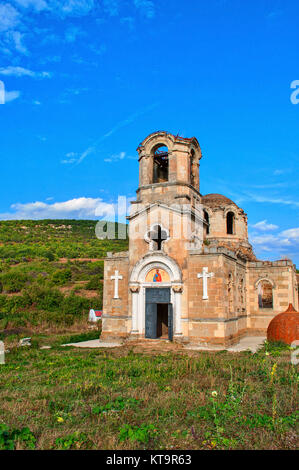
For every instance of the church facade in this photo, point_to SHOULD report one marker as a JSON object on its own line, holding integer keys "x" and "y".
{"x": 190, "y": 274}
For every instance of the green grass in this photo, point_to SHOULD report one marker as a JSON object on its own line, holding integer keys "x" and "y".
{"x": 121, "y": 399}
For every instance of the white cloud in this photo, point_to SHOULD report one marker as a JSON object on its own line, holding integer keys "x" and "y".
{"x": 71, "y": 7}
{"x": 112, "y": 131}
{"x": 269, "y": 240}
{"x": 292, "y": 233}
{"x": 119, "y": 156}
{"x": 279, "y": 172}
{"x": 146, "y": 7}
{"x": 115, "y": 157}
{"x": 72, "y": 34}
{"x": 285, "y": 243}
{"x": 74, "y": 208}
{"x": 21, "y": 72}
{"x": 264, "y": 226}
{"x": 9, "y": 17}
{"x": 62, "y": 7}
{"x": 17, "y": 39}
{"x": 111, "y": 7}
{"x": 70, "y": 158}
{"x": 248, "y": 196}
{"x": 38, "y": 5}
{"x": 11, "y": 95}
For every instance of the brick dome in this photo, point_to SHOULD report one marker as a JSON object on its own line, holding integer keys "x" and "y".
{"x": 284, "y": 327}
{"x": 216, "y": 200}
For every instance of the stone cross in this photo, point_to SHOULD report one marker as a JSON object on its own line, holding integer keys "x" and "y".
{"x": 117, "y": 277}
{"x": 205, "y": 276}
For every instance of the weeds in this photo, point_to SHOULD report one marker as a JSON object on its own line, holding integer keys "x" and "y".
{"x": 199, "y": 400}
{"x": 9, "y": 439}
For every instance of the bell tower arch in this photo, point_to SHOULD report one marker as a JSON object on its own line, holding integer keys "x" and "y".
{"x": 168, "y": 168}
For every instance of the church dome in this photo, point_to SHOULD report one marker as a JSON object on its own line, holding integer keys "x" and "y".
{"x": 216, "y": 200}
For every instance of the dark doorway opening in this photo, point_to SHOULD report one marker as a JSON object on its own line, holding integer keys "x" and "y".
{"x": 161, "y": 165}
{"x": 162, "y": 321}
{"x": 158, "y": 313}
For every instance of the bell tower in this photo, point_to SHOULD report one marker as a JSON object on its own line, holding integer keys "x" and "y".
{"x": 167, "y": 215}
{"x": 169, "y": 169}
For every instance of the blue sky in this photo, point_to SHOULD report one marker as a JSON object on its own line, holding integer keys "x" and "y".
{"x": 87, "y": 80}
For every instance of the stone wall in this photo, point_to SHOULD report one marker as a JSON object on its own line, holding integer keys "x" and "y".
{"x": 282, "y": 276}
{"x": 116, "y": 319}
{"x": 218, "y": 228}
{"x": 222, "y": 318}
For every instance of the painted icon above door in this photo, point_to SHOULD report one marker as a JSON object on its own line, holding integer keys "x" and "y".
{"x": 157, "y": 275}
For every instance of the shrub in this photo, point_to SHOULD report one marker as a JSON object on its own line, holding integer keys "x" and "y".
{"x": 75, "y": 305}
{"x": 50, "y": 256}
{"x": 140, "y": 434}
{"x": 8, "y": 438}
{"x": 61, "y": 277}
{"x": 71, "y": 441}
{"x": 95, "y": 283}
{"x": 13, "y": 281}
{"x": 44, "y": 297}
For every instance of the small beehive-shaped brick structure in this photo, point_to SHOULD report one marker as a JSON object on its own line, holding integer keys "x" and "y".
{"x": 284, "y": 327}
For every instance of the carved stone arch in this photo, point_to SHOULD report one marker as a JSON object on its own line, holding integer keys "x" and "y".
{"x": 232, "y": 209}
{"x": 138, "y": 286}
{"x": 208, "y": 210}
{"x": 154, "y": 141}
{"x": 267, "y": 279}
{"x": 152, "y": 259}
{"x": 209, "y": 213}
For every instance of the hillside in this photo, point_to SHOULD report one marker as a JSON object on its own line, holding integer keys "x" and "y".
{"x": 51, "y": 272}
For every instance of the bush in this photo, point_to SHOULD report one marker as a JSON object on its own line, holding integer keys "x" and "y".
{"x": 44, "y": 298}
{"x": 75, "y": 305}
{"x": 13, "y": 281}
{"x": 8, "y": 439}
{"x": 50, "y": 256}
{"x": 61, "y": 277}
{"x": 95, "y": 283}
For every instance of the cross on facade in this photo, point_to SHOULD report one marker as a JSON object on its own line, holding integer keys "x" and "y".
{"x": 159, "y": 236}
{"x": 117, "y": 277}
{"x": 205, "y": 275}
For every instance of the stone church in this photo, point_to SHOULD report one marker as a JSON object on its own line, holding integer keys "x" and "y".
{"x": 190, "y": 274}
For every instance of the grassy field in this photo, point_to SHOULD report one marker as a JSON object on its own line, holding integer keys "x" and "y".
{"x": 124, "y": 399}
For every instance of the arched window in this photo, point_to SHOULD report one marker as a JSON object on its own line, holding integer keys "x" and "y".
{"x": 207, "y": 219}
{"x": 230, "y": 222}
{"x": 265, "y": 294}
{"x": 161, "y": 164}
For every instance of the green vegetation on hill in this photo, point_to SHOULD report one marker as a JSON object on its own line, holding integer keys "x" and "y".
{"x": 53, "y": 239}
{"x": 51, "y": 271}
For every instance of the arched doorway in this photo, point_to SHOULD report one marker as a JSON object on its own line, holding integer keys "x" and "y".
{"x": 156, "y": 290}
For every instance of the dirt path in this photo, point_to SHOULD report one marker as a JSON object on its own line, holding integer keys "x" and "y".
{"x": 90, "y": 260}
